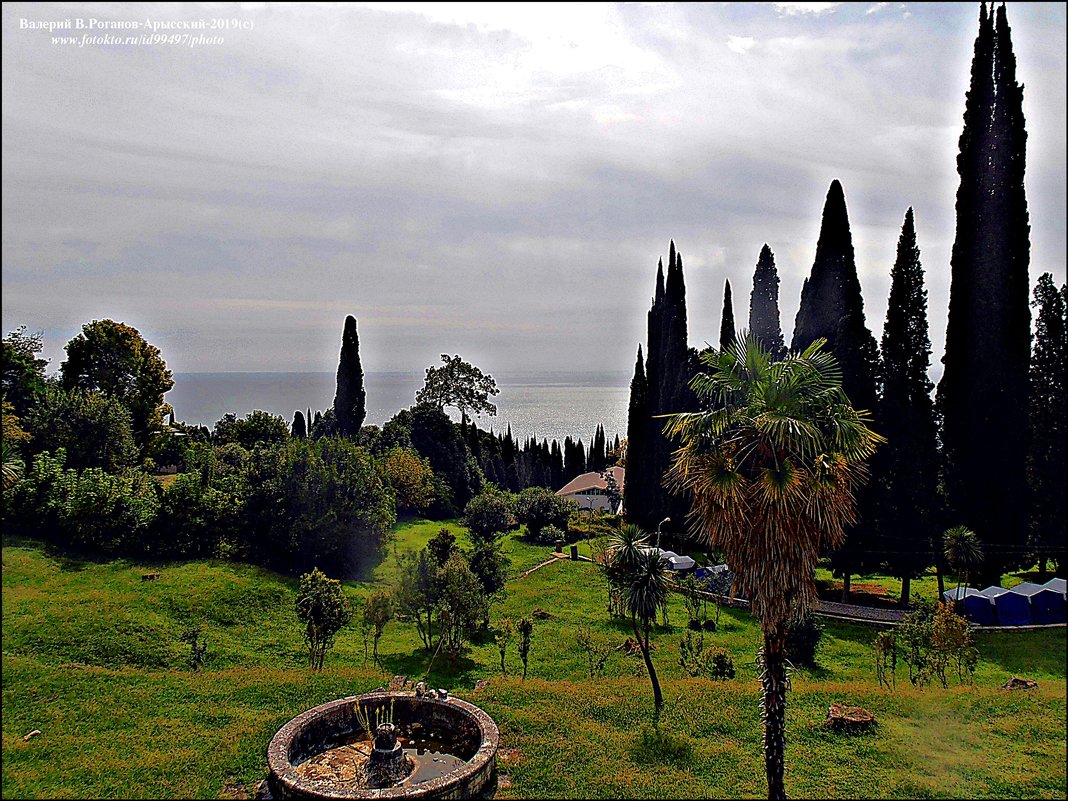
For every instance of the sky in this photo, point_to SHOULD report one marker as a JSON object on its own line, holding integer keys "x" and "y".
{"x": 492, "y": 180}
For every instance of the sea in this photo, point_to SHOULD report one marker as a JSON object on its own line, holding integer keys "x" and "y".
{"x": 546, "y": 405}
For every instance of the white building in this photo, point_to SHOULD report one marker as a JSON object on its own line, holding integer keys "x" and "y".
{"x": 590, "y": 491}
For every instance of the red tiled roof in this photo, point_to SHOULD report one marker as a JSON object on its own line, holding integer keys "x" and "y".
{"x": 588, "y": 481}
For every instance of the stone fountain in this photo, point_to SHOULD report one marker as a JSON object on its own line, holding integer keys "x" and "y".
{"x": 385, "y": 745}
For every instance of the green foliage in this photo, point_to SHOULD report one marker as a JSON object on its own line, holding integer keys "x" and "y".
{"x": 114, "y": 359}
{"x": 195, "y": 518}
{"x": 803, "y": 640}
{"x": 94, "y": 429}
{"x": 502, "y": 638}
{"x": 437, "y": 439}
{"x": 1047, "y": 468}
{"x": 489, "y": 514}
{"x": 416, "y": 593}
{"x": 490, "y": 566}
{"x": 537, "y": 508}
{"x": 460, "y": 385}
{"x": 323, "y": 609}
{"x": 377, "y": 612}
{"x": 933, "y": 639}
{"x": 255, "y": 429}
{"x": 442, "y": 546}
{"x": 463, "y": 604}
{"x": 89, "y": 511}
{"x": 315, "y": 503}
{"x": 411, "y": 478}
{"x": 22, "y": 374}
{"x": 595, "y": 650}
{"x": 885, "y": 647}
{"x": 525, "y": 629}
{"x": 698, "y": 660}
{"x": 961, "y": 547}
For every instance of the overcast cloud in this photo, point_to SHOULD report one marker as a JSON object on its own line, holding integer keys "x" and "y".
{"x": 491, "y": 180}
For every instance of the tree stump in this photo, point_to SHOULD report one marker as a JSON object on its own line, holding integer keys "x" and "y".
{"x": 849, "y": 719}
{"x": 1016, "y": 683}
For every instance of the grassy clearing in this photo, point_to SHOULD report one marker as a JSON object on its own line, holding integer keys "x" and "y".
{"x": 91, "y": 658}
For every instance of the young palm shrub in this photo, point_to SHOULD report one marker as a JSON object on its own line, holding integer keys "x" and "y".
{"x": 641, "y": 577}
{"x": 772, "y": 470}
{"x": 960, "y": 546}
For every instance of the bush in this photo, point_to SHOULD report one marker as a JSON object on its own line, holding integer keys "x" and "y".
{"x": 258, "y": 428}
{"x": 537, "y": 508}
{"x": 803, "y": 640}
{"x": 194, "y": 518}
{"x": 438, "y": 440}
{"x": 411, "y": 478}
{"x": 489, "y": 514}
{"x": 95, "y": 430}
{"x": 463, "y": 605}
{"x": 315, "y": 503}
{"x": 697, "y": 660}
{"x": 322, "y": 608}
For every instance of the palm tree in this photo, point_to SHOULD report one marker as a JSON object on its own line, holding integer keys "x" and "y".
{"x": 12, "y": 465}
{"x": 640, "y": 575}
{"x": 960, "y": 546}
{"x": 772, "y": 468}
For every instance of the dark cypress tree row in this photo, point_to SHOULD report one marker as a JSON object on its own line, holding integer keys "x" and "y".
{"x": 1047, "y": 465}
{"x": 350, "y": 401}
{"x": 635, "y": 495}
{"x": 556, "y": 465}
{"x": 668, "y": 370}
{"x": 598, "y": 451}
{"x": 984, "y": 388}
{"x": 300, "y": 426}
{"x": 832, "y": 307}
{"x": 905, "y": 470}
{"x": 764, "y": 305}
{"x": 726, "y": 320}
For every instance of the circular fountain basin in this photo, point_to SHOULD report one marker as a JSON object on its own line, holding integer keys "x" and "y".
{"x": 465, "y": 730}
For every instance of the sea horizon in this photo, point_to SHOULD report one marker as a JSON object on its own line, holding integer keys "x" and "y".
{"x": 547, "y": 404}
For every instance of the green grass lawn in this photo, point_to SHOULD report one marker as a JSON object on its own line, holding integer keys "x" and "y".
{"x": 91, "y": 658}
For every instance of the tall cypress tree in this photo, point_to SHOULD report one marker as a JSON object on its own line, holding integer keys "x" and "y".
{"x": 726, "y": 320}
{"x": 635, "y": 495}
{"x": 350, "y": 400}
{"x": 832, "y": 307}
{"x": 984, "y": 388}
{"x": 300, "y": 426}
{"x": 1047, "y": 464}
{"x": 764, "y": 305}
{"x": 905, "y": 469}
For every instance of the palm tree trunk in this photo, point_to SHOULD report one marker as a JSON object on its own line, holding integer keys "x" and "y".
{"x": 774, "y": 685}
{"x": 906, "y": 590}
{"x": 846, "y": 581}
{"x": 658, "y": 696}
{"x": 941, "y": 580}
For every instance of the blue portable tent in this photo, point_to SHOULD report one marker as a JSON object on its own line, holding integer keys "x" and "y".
{"x": 1012, "y": 609}
{"x": 1047, "y": 605}
{"x": 971, "y": 603}
{"x": 1057, "y": 584}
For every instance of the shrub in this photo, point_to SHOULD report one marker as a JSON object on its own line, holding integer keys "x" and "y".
{"x": 411, "y": 478}
{"x": 489, "y": 514}
{"x": 194, "y": 518}
{"x": 803, "y": 640}
{"x": 597, "y": 652}
{"x": 441, "y": 546}
{"x": 697, "y": 660}
{"x": 502, "y": 638}
{"x": 490, "y": 566}
{"x": 377, "y": 612}
{"x": 258, "y": 428}
{"x": 95, "y": 430}
{"x": 462, "y": 604}
{"x": 537, "y": 508}
{"x": 525, "y": 628}
{"x": 322, "y": 608}
{"x": 315, "y": 503}
{"x": 416, "y": 593}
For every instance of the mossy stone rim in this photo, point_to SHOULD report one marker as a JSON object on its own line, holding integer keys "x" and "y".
{"x": 471, "y": 779}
